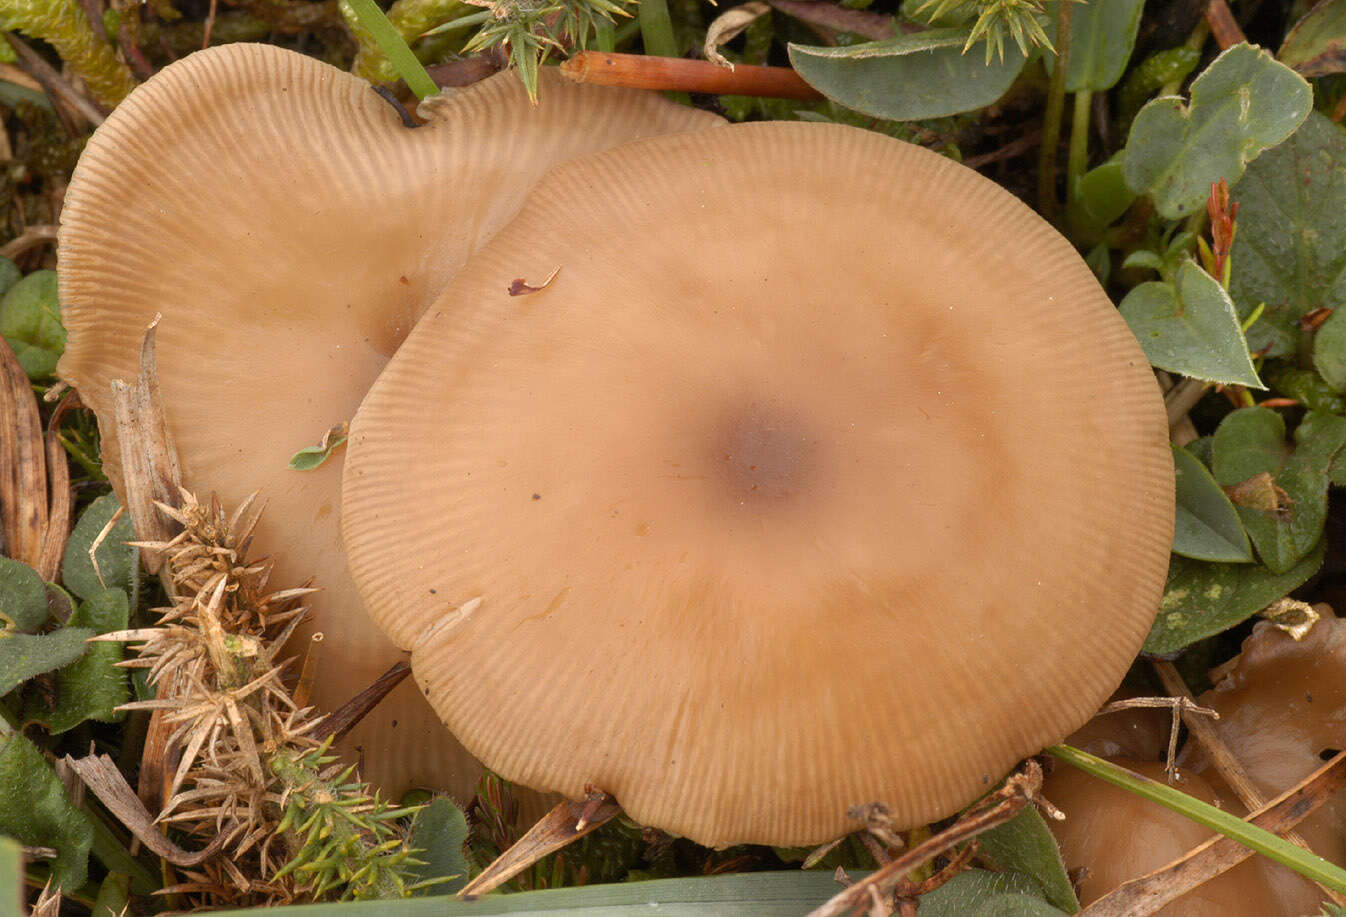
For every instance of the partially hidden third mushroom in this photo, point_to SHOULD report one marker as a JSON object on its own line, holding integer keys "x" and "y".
{"x": 1282, "y": 706}
{"x": 822, "y": 473}
{"x": 291, "y": 230}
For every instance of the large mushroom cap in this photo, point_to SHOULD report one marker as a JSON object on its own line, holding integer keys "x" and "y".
{"x": 822, "y": 473}
{"x": 291, "y": 230}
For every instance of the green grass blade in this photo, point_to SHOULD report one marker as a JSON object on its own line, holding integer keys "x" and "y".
{"x": 1264, "y": 842}
{"x": 397, "y": 51}
{"x": 760, "y": 894}
{"x": 656, "y": 28}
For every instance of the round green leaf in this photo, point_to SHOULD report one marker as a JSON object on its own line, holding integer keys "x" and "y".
{"x": 1248, "y": 442}
{"x": 1244, "y": 103}
{"x": 437, "y": 835}
{"x": 1207, "y": 526}
{"x": 116, "y": 560}
{"x": 23, "y": 596}
{"x": 30, "y": 320}
{"x": 1290, "y": 251}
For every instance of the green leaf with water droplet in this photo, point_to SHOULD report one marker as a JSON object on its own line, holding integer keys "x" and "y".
{"x": 1190, "y": 327}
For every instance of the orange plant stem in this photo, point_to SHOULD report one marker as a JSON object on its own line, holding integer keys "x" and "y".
{"x": 638, "y": 71}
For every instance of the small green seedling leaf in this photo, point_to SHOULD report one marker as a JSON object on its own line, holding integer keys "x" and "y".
{"x": 1290, "y": 251}
{"x": 1244, "y": 103}
{"x": 1248, "y": 442}
{"x": 23, "y": 597}
{"x": 922, "y": 75}
{"x": 1316, "y": 46}
{"x": 980, "y": 893}
{"x": 1025, "y": 844}
{"x": 311, "y": 457}
{"x": 117, "y": 567}
{"x": 24, "y": 656}
{"x": 91, "y": 687}
{"x": 1329, "y": 351}
{"x": 1207, "y": 525}
{"x": 1306, "y": 387}
{"x": 1283, "y": 508}
{"x": 1203, "y": 599}
{"x": 11, "y": 876}
{"x": 437, "y": 836}
{"x": 1101, "y": 197}
{"x": 1190, "y": 327}
{"x": 114, "y": 896}
{"x": 35, "y": 810}
{"x": 1102, "y": 36}
{"x": 30, "y": 320}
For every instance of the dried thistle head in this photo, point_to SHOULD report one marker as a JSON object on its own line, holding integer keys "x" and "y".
{"x": 296, "y": 825}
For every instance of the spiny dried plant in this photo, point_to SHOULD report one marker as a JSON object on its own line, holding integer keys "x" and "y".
{"x": 290, "y": 822}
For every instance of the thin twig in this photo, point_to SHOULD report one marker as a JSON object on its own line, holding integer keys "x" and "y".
{"x": 638, "y": 71}
{"x": 1223, "y": 25}
{"x": 1182, "y": 398}
{"x": 996, "y": 809}
{"x": 1015, "y": 147}
{"x": 31, "y": 237}
{"x": 875, "y": 26}
{"x": 344, "y": 718}
{"x": 1178, "y": 707}
{"x": 57, "y": 87}
{"x": 566, "y": 823}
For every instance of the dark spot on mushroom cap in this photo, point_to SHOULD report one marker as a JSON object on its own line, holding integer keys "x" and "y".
{"x": 764, "y": 454}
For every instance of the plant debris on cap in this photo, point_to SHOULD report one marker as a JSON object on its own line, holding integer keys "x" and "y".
{"x": 291, "y": 230}
{"x": 823, "y": 473}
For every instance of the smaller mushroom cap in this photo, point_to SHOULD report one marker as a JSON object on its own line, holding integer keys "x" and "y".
{"x": 1282, "y": 708}
{"x": 291, "y": 230}
{"x": 1117, "y": 836}
{"x": 823, "y": 473}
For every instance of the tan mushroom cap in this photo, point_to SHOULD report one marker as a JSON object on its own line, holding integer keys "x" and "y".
{"x": 823, "y": 473}
{"x": 291, "y": 230}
